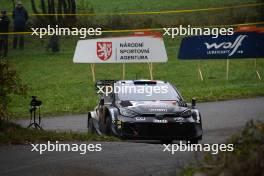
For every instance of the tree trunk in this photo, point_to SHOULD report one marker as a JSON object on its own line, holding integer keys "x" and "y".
{"x": 43, "y": 5}
{"x": 14, "y": 4}
{"x": 34, "y": 7}
{"x": 60, "y": 7}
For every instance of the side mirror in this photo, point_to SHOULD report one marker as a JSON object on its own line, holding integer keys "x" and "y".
{"x": 101, "y": 101}
{"x": 193, "y": 102}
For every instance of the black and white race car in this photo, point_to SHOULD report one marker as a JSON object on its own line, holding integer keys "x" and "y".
{"x": 144, "y": 109}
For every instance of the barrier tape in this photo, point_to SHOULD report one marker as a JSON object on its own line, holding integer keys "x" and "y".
{"x": 153, "y": 12}
{"x": 148, "y": 29}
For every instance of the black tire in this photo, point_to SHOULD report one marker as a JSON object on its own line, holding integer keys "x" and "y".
{"x": 91, "y": 128}
{"x": 108, "y": 127}
{"x": 166, "y": 141}
{"x": 193, "y": 141}
{"x": 201, "y": 120}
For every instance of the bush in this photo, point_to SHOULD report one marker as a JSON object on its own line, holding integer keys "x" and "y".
{"x": 10, "y": 83}
{"x": 247, "y": 159}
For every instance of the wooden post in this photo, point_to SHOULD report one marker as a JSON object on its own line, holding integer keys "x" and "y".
{"x": 258, "y": 75}
{"x": 93, "y": 71}
{"x": 200, "y": 74}
{"x": 124, "y": 71}
{"x": 150, "y": 66}
{"x": 227, "y": 69}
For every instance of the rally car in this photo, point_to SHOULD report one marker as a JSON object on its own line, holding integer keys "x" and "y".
{"x": 129, "y": 110}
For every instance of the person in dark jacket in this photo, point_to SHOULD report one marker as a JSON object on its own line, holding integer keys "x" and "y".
{"x": 20, "y": 17}
{"x": 4, "y": 28}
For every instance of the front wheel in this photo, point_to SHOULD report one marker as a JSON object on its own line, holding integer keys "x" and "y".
{"x": 166, "y": 141}
{"x": 91, "y": 128}
{"x": 108, "y": 129}
{"x": 193, "y": 141}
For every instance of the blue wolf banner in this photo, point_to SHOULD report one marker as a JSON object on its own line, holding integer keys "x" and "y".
{"x": 238, "y": 45}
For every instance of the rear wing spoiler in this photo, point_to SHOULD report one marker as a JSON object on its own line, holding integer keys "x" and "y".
{"x": 105, "y": 82}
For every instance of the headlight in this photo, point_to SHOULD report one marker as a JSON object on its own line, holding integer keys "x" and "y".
{"x": 187, "y": 113}
{"x": 127, "y": 112}
{"x": 196, "y": 115}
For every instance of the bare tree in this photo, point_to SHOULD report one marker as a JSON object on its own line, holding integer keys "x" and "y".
{"x": 58, "y": 8}
{"x": 56, "y": 13}
{"x": 14, "y": 4}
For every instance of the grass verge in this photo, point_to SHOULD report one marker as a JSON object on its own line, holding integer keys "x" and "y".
{"x": 11, "y": 133}
{"x": 247, "y": 159}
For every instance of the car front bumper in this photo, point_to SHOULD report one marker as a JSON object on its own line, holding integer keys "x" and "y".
{"x": 168, "y": 129}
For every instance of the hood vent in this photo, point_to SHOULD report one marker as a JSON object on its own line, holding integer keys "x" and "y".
{"x": 125, "y": 103}
{"x": 182, "y": 103}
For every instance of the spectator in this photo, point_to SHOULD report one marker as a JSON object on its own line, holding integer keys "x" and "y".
{"x": 20, "y": 17}
{"x": 4, "y": 25}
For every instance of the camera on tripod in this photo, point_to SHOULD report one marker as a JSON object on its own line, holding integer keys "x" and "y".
{"x": 34, "y": 102}
{"x": 34, "y": 105}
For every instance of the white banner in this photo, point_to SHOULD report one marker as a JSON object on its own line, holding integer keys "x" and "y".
{"x": 131, "y": 49}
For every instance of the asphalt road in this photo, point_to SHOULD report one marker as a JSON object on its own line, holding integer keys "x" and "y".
{"x": 220, "y": 120}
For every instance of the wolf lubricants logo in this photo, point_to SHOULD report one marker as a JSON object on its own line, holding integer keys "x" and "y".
{"x": 226, "y": 47}
{"x": 104, "y": 50}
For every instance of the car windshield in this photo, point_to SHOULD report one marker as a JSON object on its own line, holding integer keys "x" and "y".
{"x": 146, "y": 92}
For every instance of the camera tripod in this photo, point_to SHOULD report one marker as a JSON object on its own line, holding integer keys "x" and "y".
{"x": 32, "y": 111}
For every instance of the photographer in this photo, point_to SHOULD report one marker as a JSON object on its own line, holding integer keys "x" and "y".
{"x": 20, "y": 17}
{"x": 4, "y": 28}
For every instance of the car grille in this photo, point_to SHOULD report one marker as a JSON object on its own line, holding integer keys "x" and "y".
{"x": 161, "y": 130}
{"x": 161, "y": 115}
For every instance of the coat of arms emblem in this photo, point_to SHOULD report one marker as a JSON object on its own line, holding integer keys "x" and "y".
{"x": 104, "y": 50}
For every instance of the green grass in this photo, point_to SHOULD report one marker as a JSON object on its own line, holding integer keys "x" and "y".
{"x": 67, "y": 88}
{"x": 105, "y": 6}
{"x": 11, "y": 133}
{"x": 218, "y": 17}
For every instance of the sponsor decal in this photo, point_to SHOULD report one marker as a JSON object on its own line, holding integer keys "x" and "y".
{"x": 160, "y": 121}
{"x": 248, "y": 45}
{"x": 104, "y": 50}
{"x": 178, "y": 119}
{"x": 159, "y": 110}
{"x": 130, "y": 49}
{"x": 226, "y": 47}
{"x": 140, "y": 118}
